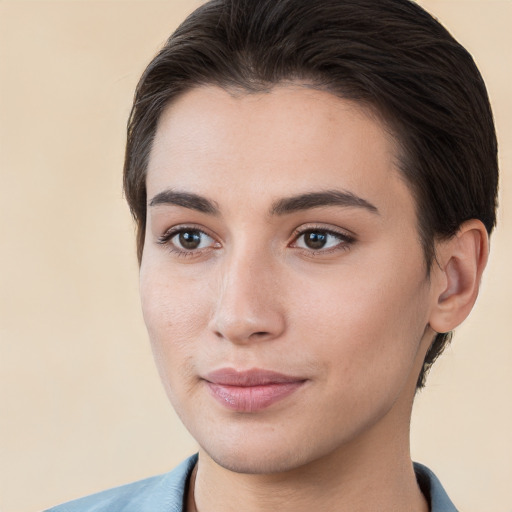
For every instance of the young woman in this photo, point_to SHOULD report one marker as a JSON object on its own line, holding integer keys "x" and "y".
{"x": 314, "y": 184}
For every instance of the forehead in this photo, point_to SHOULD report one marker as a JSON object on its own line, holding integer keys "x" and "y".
{"x": 291, "y": 139}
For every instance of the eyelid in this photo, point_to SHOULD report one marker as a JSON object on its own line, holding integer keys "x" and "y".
{"x": 178, "y": 228}
{"x": 169, "y": 234}
{"x": 346, "y": 237}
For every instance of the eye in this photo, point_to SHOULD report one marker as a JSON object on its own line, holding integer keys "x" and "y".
{"x": 187, "y": 240}
{"x": 322, "y": 240}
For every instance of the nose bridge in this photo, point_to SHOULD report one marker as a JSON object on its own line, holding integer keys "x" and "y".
{"x": 247, "y": 306}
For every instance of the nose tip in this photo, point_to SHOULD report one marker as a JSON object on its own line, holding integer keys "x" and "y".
{"x": 248, "y": 309}
{"x": 243, "y": 328}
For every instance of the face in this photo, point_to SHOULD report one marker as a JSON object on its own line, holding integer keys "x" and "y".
{"x": 283, "y": 281}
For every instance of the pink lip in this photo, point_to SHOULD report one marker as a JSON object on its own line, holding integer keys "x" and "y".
{"x": 251, "y": 390}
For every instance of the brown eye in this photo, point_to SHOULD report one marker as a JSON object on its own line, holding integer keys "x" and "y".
{"x": 190, "y": 240}
{"x": 315, "y": 239}
{"x": 322, "y": 240}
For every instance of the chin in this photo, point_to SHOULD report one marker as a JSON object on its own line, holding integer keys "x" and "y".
{"x": 262, "y": 451}
{"x": 258, "y": 461}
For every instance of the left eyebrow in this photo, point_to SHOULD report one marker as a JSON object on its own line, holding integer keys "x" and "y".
{"x": 319, "y": 199}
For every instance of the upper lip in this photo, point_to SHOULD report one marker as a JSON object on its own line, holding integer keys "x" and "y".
{"x": 247, "y": 378}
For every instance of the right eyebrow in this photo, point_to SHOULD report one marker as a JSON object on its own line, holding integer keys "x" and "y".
{"x": 186, "y": 200}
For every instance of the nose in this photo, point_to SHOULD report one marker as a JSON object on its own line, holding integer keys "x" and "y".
{"x": 248, "y": 305}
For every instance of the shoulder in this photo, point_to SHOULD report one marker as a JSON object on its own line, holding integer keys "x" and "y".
{"x": 162, "y": 493}
{"x": 433, "y": 490}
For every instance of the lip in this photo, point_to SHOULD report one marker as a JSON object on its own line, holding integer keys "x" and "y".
{"x": 250, "y": 390}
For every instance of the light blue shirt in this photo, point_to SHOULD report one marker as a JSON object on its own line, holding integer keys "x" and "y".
{"x": 166, "y": 493}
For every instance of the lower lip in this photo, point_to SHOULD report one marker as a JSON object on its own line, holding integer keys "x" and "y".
{"x": 252, "y": 398}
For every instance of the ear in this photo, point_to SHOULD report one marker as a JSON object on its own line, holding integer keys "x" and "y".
{"x": 457, "y": 272}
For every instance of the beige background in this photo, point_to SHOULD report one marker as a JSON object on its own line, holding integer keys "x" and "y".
{"x": 81, "y": 407}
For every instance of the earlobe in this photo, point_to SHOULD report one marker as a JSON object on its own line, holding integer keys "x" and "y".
{"x": 461, "y": 261}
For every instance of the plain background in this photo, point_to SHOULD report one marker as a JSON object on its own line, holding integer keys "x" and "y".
{"x": 81, "y": 407}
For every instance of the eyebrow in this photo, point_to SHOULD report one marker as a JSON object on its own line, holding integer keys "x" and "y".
{"x": 282, "y": 206}
{"x": 186, "y": 200}
{"x": 319, "y": 199}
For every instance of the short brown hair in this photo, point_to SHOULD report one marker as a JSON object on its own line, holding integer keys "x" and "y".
{"x": 389, "y": 54}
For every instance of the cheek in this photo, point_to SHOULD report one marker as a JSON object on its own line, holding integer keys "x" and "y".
{"x": 367, "y": 324}
{"x": 175, "y": 313}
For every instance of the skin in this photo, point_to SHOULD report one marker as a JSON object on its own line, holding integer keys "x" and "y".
{"x": 353, "y": 319}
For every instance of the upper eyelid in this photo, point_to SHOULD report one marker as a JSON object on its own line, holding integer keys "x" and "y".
{"x": 337, "y": 231}
{"x": 341, "y": 233}
{"x": 345, "y": 238}
{"x": 166, "y": 240}
{"x": 173, "y": 230}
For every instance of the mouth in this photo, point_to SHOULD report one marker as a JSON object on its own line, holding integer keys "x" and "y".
{"x": 251, "y": 390}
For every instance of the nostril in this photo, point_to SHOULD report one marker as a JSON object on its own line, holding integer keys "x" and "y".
{"x": 259, "y": 334}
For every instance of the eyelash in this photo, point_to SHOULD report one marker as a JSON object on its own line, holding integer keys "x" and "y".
{"x": 344, "y": 240}
{"x": 166, "y": 239}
